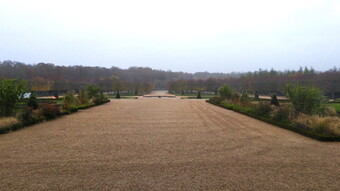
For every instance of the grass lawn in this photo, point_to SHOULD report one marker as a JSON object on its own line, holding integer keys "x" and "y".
{"x": 335, "y": 105}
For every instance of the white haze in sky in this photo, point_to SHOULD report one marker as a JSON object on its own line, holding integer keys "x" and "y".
{"x": 178, "y": 35}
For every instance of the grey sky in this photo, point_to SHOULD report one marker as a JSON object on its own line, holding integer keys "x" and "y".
{"x": 178, "y": 35}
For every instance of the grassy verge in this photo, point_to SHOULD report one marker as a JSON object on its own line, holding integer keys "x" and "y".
{"x": 336, "y": 106}
{"x": 283, "y": 124}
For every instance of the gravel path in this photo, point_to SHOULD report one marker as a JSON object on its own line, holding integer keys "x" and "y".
{"x": 164, "y": 144}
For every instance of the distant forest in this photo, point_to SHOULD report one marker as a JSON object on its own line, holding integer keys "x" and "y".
{"x": 46, "y": 77}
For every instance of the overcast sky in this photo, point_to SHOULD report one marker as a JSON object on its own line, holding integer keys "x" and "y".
{"x": 177, "y": 35}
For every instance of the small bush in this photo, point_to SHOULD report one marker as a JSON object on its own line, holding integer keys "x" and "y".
{"x": 235, "y": 97}
{"x": 118, "y": 95}
{"x": 282, "y": 113}
{"x": 50, "y": 111}
{"x": 32, "y": 102}
{"x": 93, "y": 91}
{"x": 30, "y": 116}
{"x": 26, "y": 114}
{"x": 199, "y": 95}
{"x": 69, "y": 101}
{"x": 329, "y": 126}
{"x": 305, "y": 99}
{"x": 11, "y": 91}
{"x": 322, "y": 128}
{"x": 274, "y": 101}
{"x": 244, "y": 99}
{"x": 99, "y": 99}
{"x": 256, "y": 96}
{"x": 216, "y": 100}
{"x": 262, "y": 108}
{"x": 330, "y": 111}
{"x": 225, "y": 91}
{"x": 8, "y": 122}
{"x": 83, "y": 97}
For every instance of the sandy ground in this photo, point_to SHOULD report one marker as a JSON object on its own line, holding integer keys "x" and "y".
{"x": 164, "y": 144}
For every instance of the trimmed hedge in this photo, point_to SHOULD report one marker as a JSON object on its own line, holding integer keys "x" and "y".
{"x": 285, "y": 125}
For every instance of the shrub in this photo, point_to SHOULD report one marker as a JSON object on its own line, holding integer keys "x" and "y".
{"x": 118, "y": 95}
{"x": 199, "y": 95}
{"x": 50, "y": 111}
{"x": 99, "y": 99}
{"x": 8, "y": 122}
{"x": 235, "y": 97}
{"x": 330, "y": 111}
{"x": 93, "y": 91}
{"x": 69, "y": 101}
{"x": 32, "y": 102}
{"x": 225, "y": 91}
{"x": 30, "y": 116}
{"x": 26, "y": 114}
{"x": 282, "y": 113}
{"x": 244, "y": 99}
{"x": 322, "y": 127}
{"x": 305, "y": 99}
{"x": 274, "y": 101}
{"x": 11, "y": 91}
{"x": 256, "y": 96}
{"x": 329, "y": 126}
{"x": 216, "y": 100}
{"x": 262, "y": 108}
{"x": 82, "y": 97}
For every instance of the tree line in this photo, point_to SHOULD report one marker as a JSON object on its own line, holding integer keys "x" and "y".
{"x": 50, "y": 77}
{"x": 265, "y": 82}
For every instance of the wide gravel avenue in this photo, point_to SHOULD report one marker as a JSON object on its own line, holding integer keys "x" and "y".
{"x": 164, "y": 144}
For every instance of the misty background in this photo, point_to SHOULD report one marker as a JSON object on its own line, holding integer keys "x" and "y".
{"x": 188, "y": 36}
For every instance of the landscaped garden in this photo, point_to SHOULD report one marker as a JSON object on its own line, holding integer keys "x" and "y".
{"x": 306, "y": 111}
{"x": 19, "y": 108}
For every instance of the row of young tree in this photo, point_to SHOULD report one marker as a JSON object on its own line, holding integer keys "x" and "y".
{"x": 265, "y": 82}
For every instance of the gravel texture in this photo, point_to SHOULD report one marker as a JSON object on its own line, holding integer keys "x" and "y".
{"x": 164, "y": 144}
